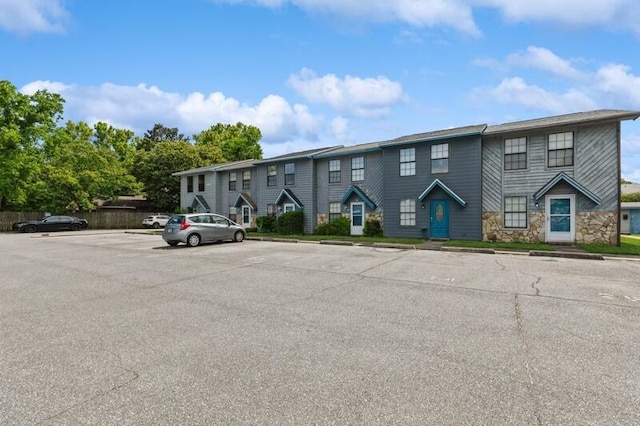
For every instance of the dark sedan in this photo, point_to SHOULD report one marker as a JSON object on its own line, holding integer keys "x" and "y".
{"x": 52, "y": 223}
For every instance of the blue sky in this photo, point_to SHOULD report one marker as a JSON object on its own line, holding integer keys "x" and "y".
{"x": 313, "y": 73}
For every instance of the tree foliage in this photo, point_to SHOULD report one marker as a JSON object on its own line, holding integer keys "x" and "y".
{"x": 154, "y": 169}
{"x": 25, "y": 120}
{"x": 233, "y": 142}
{"x": 57, "y": 169}
{"x": 159, "y": 133}
{"x": 631, "y": 197}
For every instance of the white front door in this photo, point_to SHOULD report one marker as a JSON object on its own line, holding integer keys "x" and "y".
{"x": 246, "y": 216}
{"x": 357, "y": 218}
{"x": 561, "y": 218}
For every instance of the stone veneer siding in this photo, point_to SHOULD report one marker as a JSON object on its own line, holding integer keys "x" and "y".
{"x": 591, "y": 228}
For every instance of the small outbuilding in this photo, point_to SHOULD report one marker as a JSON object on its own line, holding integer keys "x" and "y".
{"x": 630, "y": 218}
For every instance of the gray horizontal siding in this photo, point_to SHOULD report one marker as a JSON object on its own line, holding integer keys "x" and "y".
{"x": 464, "y": 178}
{"x": 595, "y": 167}
{"x": 303, "y": 189}
{"x": 372, "y": 185}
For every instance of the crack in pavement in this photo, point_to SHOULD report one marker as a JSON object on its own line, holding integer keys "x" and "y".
{"x": 98, "y": 395}
{"x": 525, "y": 350}
{"x": 534, "y": 285}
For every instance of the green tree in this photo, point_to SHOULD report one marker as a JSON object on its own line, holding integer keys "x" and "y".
{"x": 159, "y": 133}
{"x": 233, "y": 142}
{"x": 24, "y": 121}
{"x": 154, "y": 168}
{"x": 75, "y": 171}
{"x": 120, "y": 141}
{"x": 630, "y": 197}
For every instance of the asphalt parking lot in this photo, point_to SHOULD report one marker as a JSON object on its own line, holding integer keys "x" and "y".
{"x": 115, "y": 328}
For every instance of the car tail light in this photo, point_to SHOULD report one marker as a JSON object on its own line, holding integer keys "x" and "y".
{"x": 184, "y": 225}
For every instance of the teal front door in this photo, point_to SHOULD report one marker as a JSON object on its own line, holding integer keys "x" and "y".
{"x": 439, "y": 219}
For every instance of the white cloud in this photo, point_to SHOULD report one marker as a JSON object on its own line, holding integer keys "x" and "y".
{"x": 139, "y": 107}
{"x": 615, "y": 81}
{"x": 458, "y": 14}
{"x": 340, "y": 130}
{"x": 361, "y": 97}
{"x": 583, "y": 13}
{"x": 545, "y": 60}
{"x": 610, "y": 86}
{"x": 631, "y": 157}
{"x": 515, "y": 91}
{"x": 417, "y": 13}
{"x": 32, "y": 16}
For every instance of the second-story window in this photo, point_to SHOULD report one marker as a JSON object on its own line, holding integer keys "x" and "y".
{"x": 560, "y": 149}
{"x": 232, "y": 181}
{"x": 272, "y": 175}
{"x": 440, "y": 158}
{"x": 357, "y": 169}
{"x": 408, "y": 162}
{"x": 246, "y": 179}
{"x": 189, "y": 183}
{"x": 201, "y": 183}
{"x": 334, "y": 171}
{"x": 290, "y": 174}
{"x": 515, "y": 153}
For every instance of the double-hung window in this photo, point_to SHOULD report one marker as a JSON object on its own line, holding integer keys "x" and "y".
{"x": 440, "y": 158}
{"x": 232, "y": 181}
{"x": 357, "y": 169}
{"x": 334, "y": 171}
{"x": 408, "y": 162}
{"x": 272, "y": 175}
{"x": 560, "y": 149}
{"x": 246, "y": 179}
{"x": 408, "y": 212}
{"x": 271, "y": 209}
{"x": 189, "y": 183}
{"x": 515, "y": 212}
{"x": 334, "y": 211}
{"x": 290, "y": 174}
{"x": 201, "y": 183}
{"x": 515, "y": 153}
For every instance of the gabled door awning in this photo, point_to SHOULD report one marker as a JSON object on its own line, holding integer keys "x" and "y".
{"x": 438, "y": 184}
{"x": 200, "y": 203}
{"x": 287, "y": 193}
{"x": 563, "y": 177}
{"x": 355, "y": 190}
{"x": 244, "y": 198}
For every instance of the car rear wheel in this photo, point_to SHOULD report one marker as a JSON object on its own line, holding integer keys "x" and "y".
{"x": 30, "y": 228}
{"x": 172, "y": 243}
{"x": 238, "y": 237}
{"x": 156, "y": 225}
{"x": 193, "y": 240}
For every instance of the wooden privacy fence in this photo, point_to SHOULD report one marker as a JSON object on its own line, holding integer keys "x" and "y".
{"x": 99, "y": 219}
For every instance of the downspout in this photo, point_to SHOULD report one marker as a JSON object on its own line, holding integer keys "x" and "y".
{"x": 619, "y": 147}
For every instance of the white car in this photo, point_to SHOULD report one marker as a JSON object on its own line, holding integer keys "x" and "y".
{"x": 155, "y": 222}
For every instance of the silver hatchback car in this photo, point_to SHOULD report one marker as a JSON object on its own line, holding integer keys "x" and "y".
{"x": 195, "y": 228}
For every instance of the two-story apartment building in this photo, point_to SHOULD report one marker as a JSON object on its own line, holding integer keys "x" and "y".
{"x": 432, "y": 184}
{"x": 555, "y": 179}
{"x": 349, "y": 182}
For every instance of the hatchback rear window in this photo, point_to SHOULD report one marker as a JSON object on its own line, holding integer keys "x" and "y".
{"x": 176, "y": 219}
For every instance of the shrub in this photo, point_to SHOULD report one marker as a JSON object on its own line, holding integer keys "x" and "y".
{"x": 340, "y": 226}
{"x": 291, "y": 223}
{"x": 372, "y": 228}
{"x": 267, "y": 223}
{"x": 630, "y": 197}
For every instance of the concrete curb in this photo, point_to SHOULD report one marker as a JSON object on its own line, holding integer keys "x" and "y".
{"x": 395, "y": 246}
{"x": 566, "y": 255}
{"x": 337, "y": 242}
{"x": 468, "y": 250}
